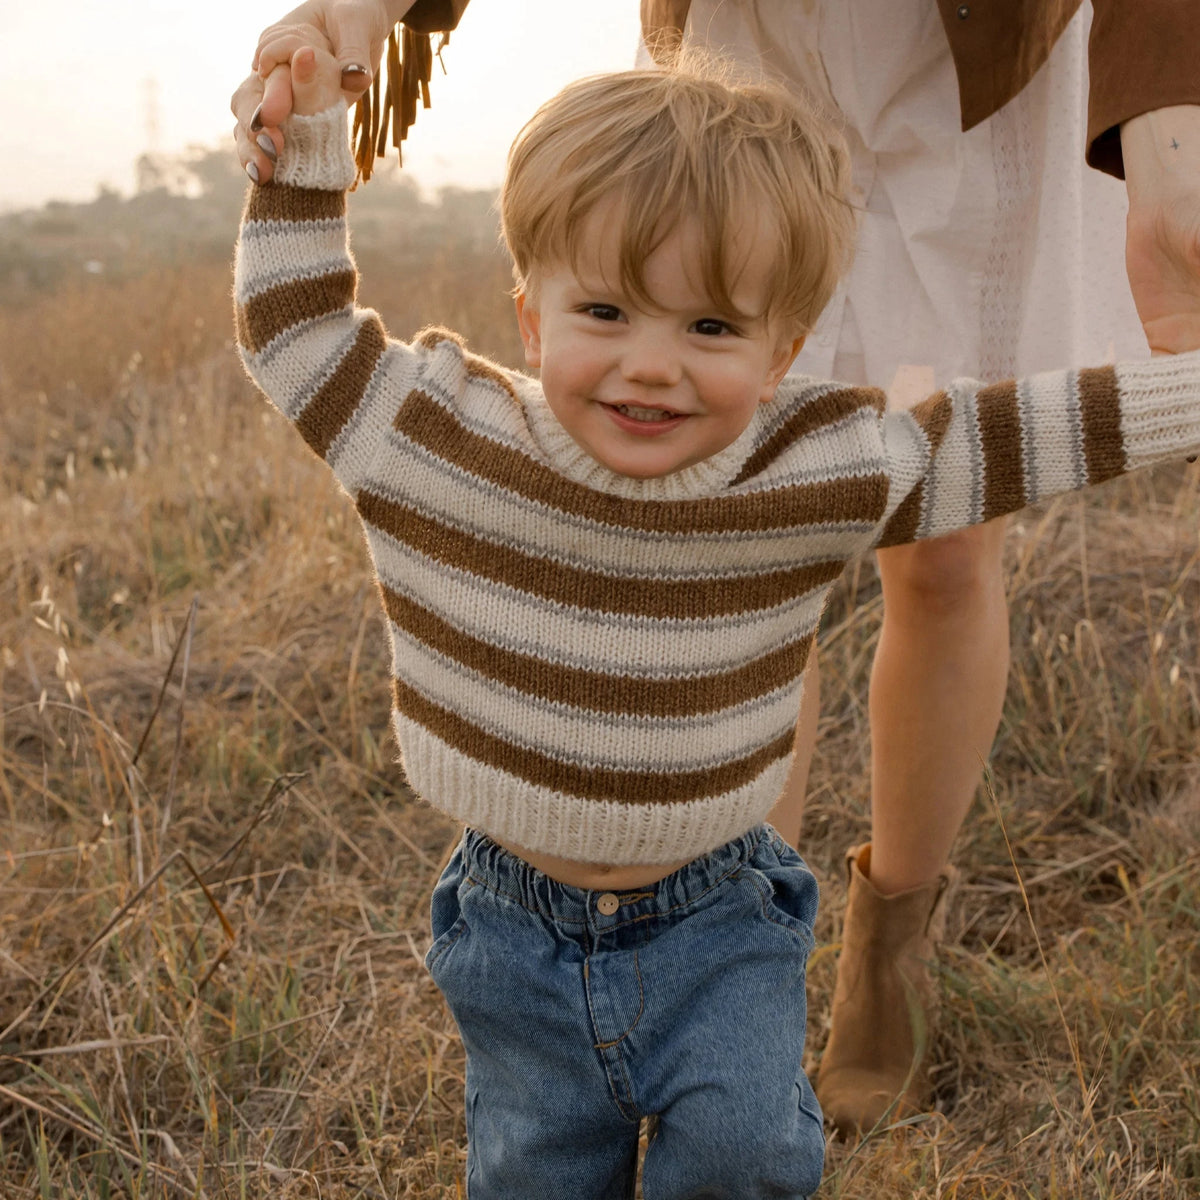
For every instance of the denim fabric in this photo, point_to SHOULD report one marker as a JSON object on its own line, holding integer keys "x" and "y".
{"x": 686, "y": 1004}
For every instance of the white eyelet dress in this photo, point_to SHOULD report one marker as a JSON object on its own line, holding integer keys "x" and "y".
{"x": 991, "y": 253}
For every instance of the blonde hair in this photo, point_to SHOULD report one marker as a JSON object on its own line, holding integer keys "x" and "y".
{"x": 688, "y": 143}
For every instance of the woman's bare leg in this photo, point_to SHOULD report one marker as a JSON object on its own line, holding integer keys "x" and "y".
{"x": 937, "y": 691}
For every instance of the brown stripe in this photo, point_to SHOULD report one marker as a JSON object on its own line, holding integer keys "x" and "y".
{"x": 335, "y": 401}
{"x": 480, "y": 368}
{"x": 590, "y": 783}
{"x": 595, "y": 691}
{"x": 279, "y": 308}
{"x": 283, "y": 203}
{"x": 434, "y": 335}
{"x": 933, "y": 414}
{"x": 660, "y": 599}
{"x": 1100, "y": 404}
{"x": 904, "y": 522}
{"x": 426, "y": 423}
{"x": 825, "y": 410}
{"x": 1003, "y": 462}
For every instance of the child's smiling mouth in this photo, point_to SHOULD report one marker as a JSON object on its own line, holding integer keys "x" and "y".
{"x": 644, "y": 415}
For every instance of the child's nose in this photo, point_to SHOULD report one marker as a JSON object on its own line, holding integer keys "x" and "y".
{"x": 651, "y": 357}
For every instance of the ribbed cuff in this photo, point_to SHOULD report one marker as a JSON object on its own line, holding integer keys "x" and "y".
{"x": 316, "y": 151}
{"x": 1160, "y": 408}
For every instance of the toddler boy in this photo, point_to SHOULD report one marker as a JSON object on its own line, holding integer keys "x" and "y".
{"x": 602, "y": 589}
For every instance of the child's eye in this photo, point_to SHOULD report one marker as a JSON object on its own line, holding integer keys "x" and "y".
{"x": 602, "y": 312}
{"x": 712, "y": 327}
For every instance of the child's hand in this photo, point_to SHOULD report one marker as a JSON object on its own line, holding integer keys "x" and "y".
{"x": 316, "y": 81}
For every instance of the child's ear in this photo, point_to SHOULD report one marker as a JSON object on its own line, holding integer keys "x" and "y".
{"x": 529, "y": 322}
{"x": 783, "y": 358}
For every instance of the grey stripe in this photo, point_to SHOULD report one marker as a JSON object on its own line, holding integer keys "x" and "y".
{"x": 253, "y": 231}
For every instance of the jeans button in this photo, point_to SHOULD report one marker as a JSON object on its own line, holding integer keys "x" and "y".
{"x": 607, "y": 904}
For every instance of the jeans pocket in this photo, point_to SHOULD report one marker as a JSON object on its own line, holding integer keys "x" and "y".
{"x": 437, "y": 952}
{"x": 789, "y": 899}
{"x": 447, "y": 918}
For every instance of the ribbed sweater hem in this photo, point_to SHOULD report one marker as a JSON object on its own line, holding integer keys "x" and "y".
{"x": 549, "y": 822}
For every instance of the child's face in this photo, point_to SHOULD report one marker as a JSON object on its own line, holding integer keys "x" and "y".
{"x": 647, "y": 392}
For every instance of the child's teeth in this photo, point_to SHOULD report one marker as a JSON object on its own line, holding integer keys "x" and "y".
{"x": 643, "y": 414}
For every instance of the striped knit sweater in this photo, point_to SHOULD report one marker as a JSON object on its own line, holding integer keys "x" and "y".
{"x": 609, "y": 669}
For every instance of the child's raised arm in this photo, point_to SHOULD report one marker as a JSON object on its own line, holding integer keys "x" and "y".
{"x": 307, "y": 345}
{"x": 972, "y": 453}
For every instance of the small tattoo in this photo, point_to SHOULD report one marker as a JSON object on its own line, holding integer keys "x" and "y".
{"x": 1174, "y": 144}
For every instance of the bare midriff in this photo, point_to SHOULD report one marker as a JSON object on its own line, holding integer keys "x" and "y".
{"x": 595, "y": 877}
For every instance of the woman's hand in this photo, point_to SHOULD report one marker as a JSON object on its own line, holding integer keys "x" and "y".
{"x": 1162, "y": 243}
{"x": 354, "y": 31}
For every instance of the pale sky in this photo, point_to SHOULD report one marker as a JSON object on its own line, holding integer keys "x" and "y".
{"x": 76, "y": 77}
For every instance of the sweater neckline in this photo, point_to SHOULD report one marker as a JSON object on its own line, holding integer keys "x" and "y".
{"x": 570, "y": 459}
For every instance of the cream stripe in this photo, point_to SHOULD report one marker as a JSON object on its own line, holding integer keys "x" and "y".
{"x": 360, "y": 441}
{"x": 251, "y": 286}
{"x": 269, "y": 261}
{"x": 1054, "y": 463}
{"x": 907, "y": 450}
{"x": 284, "y": 368}
{"x": 552, "y": 823}
{"x": 953, "y": 496}
{"x": 853, "y": 497}
{"x": 444, "y": 492}
{"x": 797, "y": 393}
{"x": 289, "y": 381}
{"x": 583, "y": 738}
{"x": 820, "y": 456}
{"x": 505, "y": 424}
{"x": 492, "y": 413}
{"x": 589, "y": 639}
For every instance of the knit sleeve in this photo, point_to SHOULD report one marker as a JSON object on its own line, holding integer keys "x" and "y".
{"x": 325, "y": 363}
{"x": 972, "y": 453}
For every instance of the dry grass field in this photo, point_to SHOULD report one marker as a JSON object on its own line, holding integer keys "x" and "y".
{"x": 214, "y": 885}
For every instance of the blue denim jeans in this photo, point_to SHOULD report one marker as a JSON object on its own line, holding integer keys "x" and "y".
{"x": 584, "y": 1012}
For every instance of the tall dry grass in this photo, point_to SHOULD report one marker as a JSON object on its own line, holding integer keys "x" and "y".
{"x": 213, "y": 883}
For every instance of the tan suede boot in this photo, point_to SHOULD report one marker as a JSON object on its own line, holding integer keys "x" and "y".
{"x": 883, "y": 1002}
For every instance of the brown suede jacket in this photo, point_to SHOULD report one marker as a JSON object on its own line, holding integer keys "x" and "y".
{"x": 1143, "y": 55}
{"x": 434, "y": 16}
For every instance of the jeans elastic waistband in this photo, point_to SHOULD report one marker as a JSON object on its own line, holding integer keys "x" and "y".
{"x": 499, "y": 870}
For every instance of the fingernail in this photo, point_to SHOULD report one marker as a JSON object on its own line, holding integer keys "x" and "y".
{"x": 256, "y": 120}
{"x": 252, "y": 171}
{"x": 267, "y": 146}
{"x": 355, "y": 69}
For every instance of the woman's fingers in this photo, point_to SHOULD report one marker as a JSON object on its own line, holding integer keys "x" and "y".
{"x": 258, "y": 146}
{"x": 356, "y": 63}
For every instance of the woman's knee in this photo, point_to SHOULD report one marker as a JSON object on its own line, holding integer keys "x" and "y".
{"x": 945, "y": 575}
